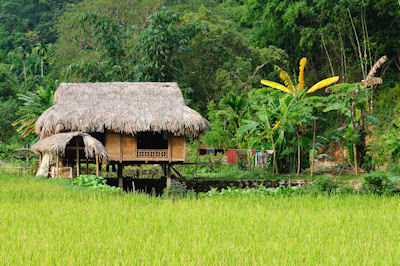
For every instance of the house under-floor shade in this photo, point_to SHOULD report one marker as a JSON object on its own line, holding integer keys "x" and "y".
{"x": 119, "y": 122}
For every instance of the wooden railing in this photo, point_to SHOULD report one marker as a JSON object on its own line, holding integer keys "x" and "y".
{"x": 152, "y": 153}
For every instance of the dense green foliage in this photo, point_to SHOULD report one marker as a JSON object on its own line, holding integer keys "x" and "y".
{"x": 217, "y": 51}
{"x": 93, "y": 182}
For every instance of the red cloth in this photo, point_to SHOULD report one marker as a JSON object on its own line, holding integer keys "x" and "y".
{"x": 232, "y": 156}
{"x": 253, "y": 151}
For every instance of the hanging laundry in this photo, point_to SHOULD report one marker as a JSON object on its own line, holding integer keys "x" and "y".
{"x": 210, "y": 151}
{"x": 259, "y": 158}
{"x": 270, "y": 151}
{"x": 250, "y": 157}
{"x": 232, "y": 156}
{"x": 253, "y": 151}
{"x": 202, "y": 151}
{"x": 242, "y": 155}
{"x": 219, "y": 151}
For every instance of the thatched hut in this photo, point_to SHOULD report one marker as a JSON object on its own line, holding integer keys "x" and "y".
{"x": 127, "y": 122}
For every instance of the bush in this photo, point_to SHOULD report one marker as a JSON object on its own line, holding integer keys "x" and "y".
{"x": 379, "y": 183}
{"x": 94, "y": 182}
{"x": 346, "y": 189}
{"x": 325, "y": 184}
{"x": 260, "y": 191}
{"x": 178, "y": 190}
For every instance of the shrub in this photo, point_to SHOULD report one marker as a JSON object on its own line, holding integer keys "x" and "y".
{"x": 178, "y": 189}
{"x": 325, "y": 184}
{"x": 379, "y": 183}
{"x": 346, "y": 189}
{"x": 94, "y": 182}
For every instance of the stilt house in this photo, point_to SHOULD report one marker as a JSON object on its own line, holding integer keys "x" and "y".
{"x": 118, "y": 122}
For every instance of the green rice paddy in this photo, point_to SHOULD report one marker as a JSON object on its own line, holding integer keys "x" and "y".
{"x": 45, "y": 222}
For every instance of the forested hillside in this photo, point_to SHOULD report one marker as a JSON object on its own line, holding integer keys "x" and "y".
{"x": 218, "y": 52}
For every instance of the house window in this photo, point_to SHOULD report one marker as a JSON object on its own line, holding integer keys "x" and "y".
{"x": 152, "y": 140}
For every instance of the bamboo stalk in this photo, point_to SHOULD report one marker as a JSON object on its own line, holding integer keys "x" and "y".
{"x": 354, "y": 129}
{"x": 358, "y": 43}
{"x": 97, "y": 165}
{"x": 355, "y": 157}
{"x": 327, "y": 54}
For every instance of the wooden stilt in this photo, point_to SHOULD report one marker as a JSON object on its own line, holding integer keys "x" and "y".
{"x": 97, "y": 165}
{"x": 169, "y": 176}
{"x": 164, "y": 170}
{"x": 87, "y": 166}
{"x": 77, "y": 159}
{"x": 57, "y": 162}
{"x": 120, "y": 177}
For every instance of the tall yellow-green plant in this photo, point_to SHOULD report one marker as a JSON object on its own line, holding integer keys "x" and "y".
{"x": 293, "y": 90}
{"x": 290, "y": 88}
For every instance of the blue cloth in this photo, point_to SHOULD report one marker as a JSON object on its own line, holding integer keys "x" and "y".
{"x": 210, "y": 151}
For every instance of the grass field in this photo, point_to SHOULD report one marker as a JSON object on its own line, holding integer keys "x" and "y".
{"x": 43, "y": 222}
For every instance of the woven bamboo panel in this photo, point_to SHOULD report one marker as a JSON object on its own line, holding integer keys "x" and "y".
{"x": 152, "y": 154}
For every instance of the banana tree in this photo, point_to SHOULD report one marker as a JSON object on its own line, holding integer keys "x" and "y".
{"x": 33, "y": 105}
{"x": 272, "y": 126}
{"x": 297, "y": 92}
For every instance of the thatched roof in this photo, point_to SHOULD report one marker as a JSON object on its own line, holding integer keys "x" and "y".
{"x": 57, "y": 143}
{"x": 127, "y": 107}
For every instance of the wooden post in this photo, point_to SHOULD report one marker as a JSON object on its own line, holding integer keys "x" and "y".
{"x": 97, "y": 165}
{"x": 169, "y": 176}
{"x": 169, "y": 148}
{"x": 164, "y": 169}
{"x": 57, "y": 162}
{"x": 77, "y": 158}
{"x": 121, "y": 155}
{"x": 120, "y": 177}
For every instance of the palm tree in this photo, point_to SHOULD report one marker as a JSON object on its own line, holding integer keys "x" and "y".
{"x": 236, "y": 109}
{"x": 23, "y": 49}
{"x": 43, "y": 53}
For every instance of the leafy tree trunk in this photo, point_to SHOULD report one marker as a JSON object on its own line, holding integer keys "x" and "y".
{"x": 41, "y": 67}
{"x": 313, "y": 149}
{"x": 352, "y": 110}
{"x": 274, "y": 164}
{"x": 24, "y": 69}
{"x": 361, "y": 146}
{"x": 298, "y": 154}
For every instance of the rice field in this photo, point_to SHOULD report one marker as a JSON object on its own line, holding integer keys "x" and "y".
{"x": 44, "y": 222}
